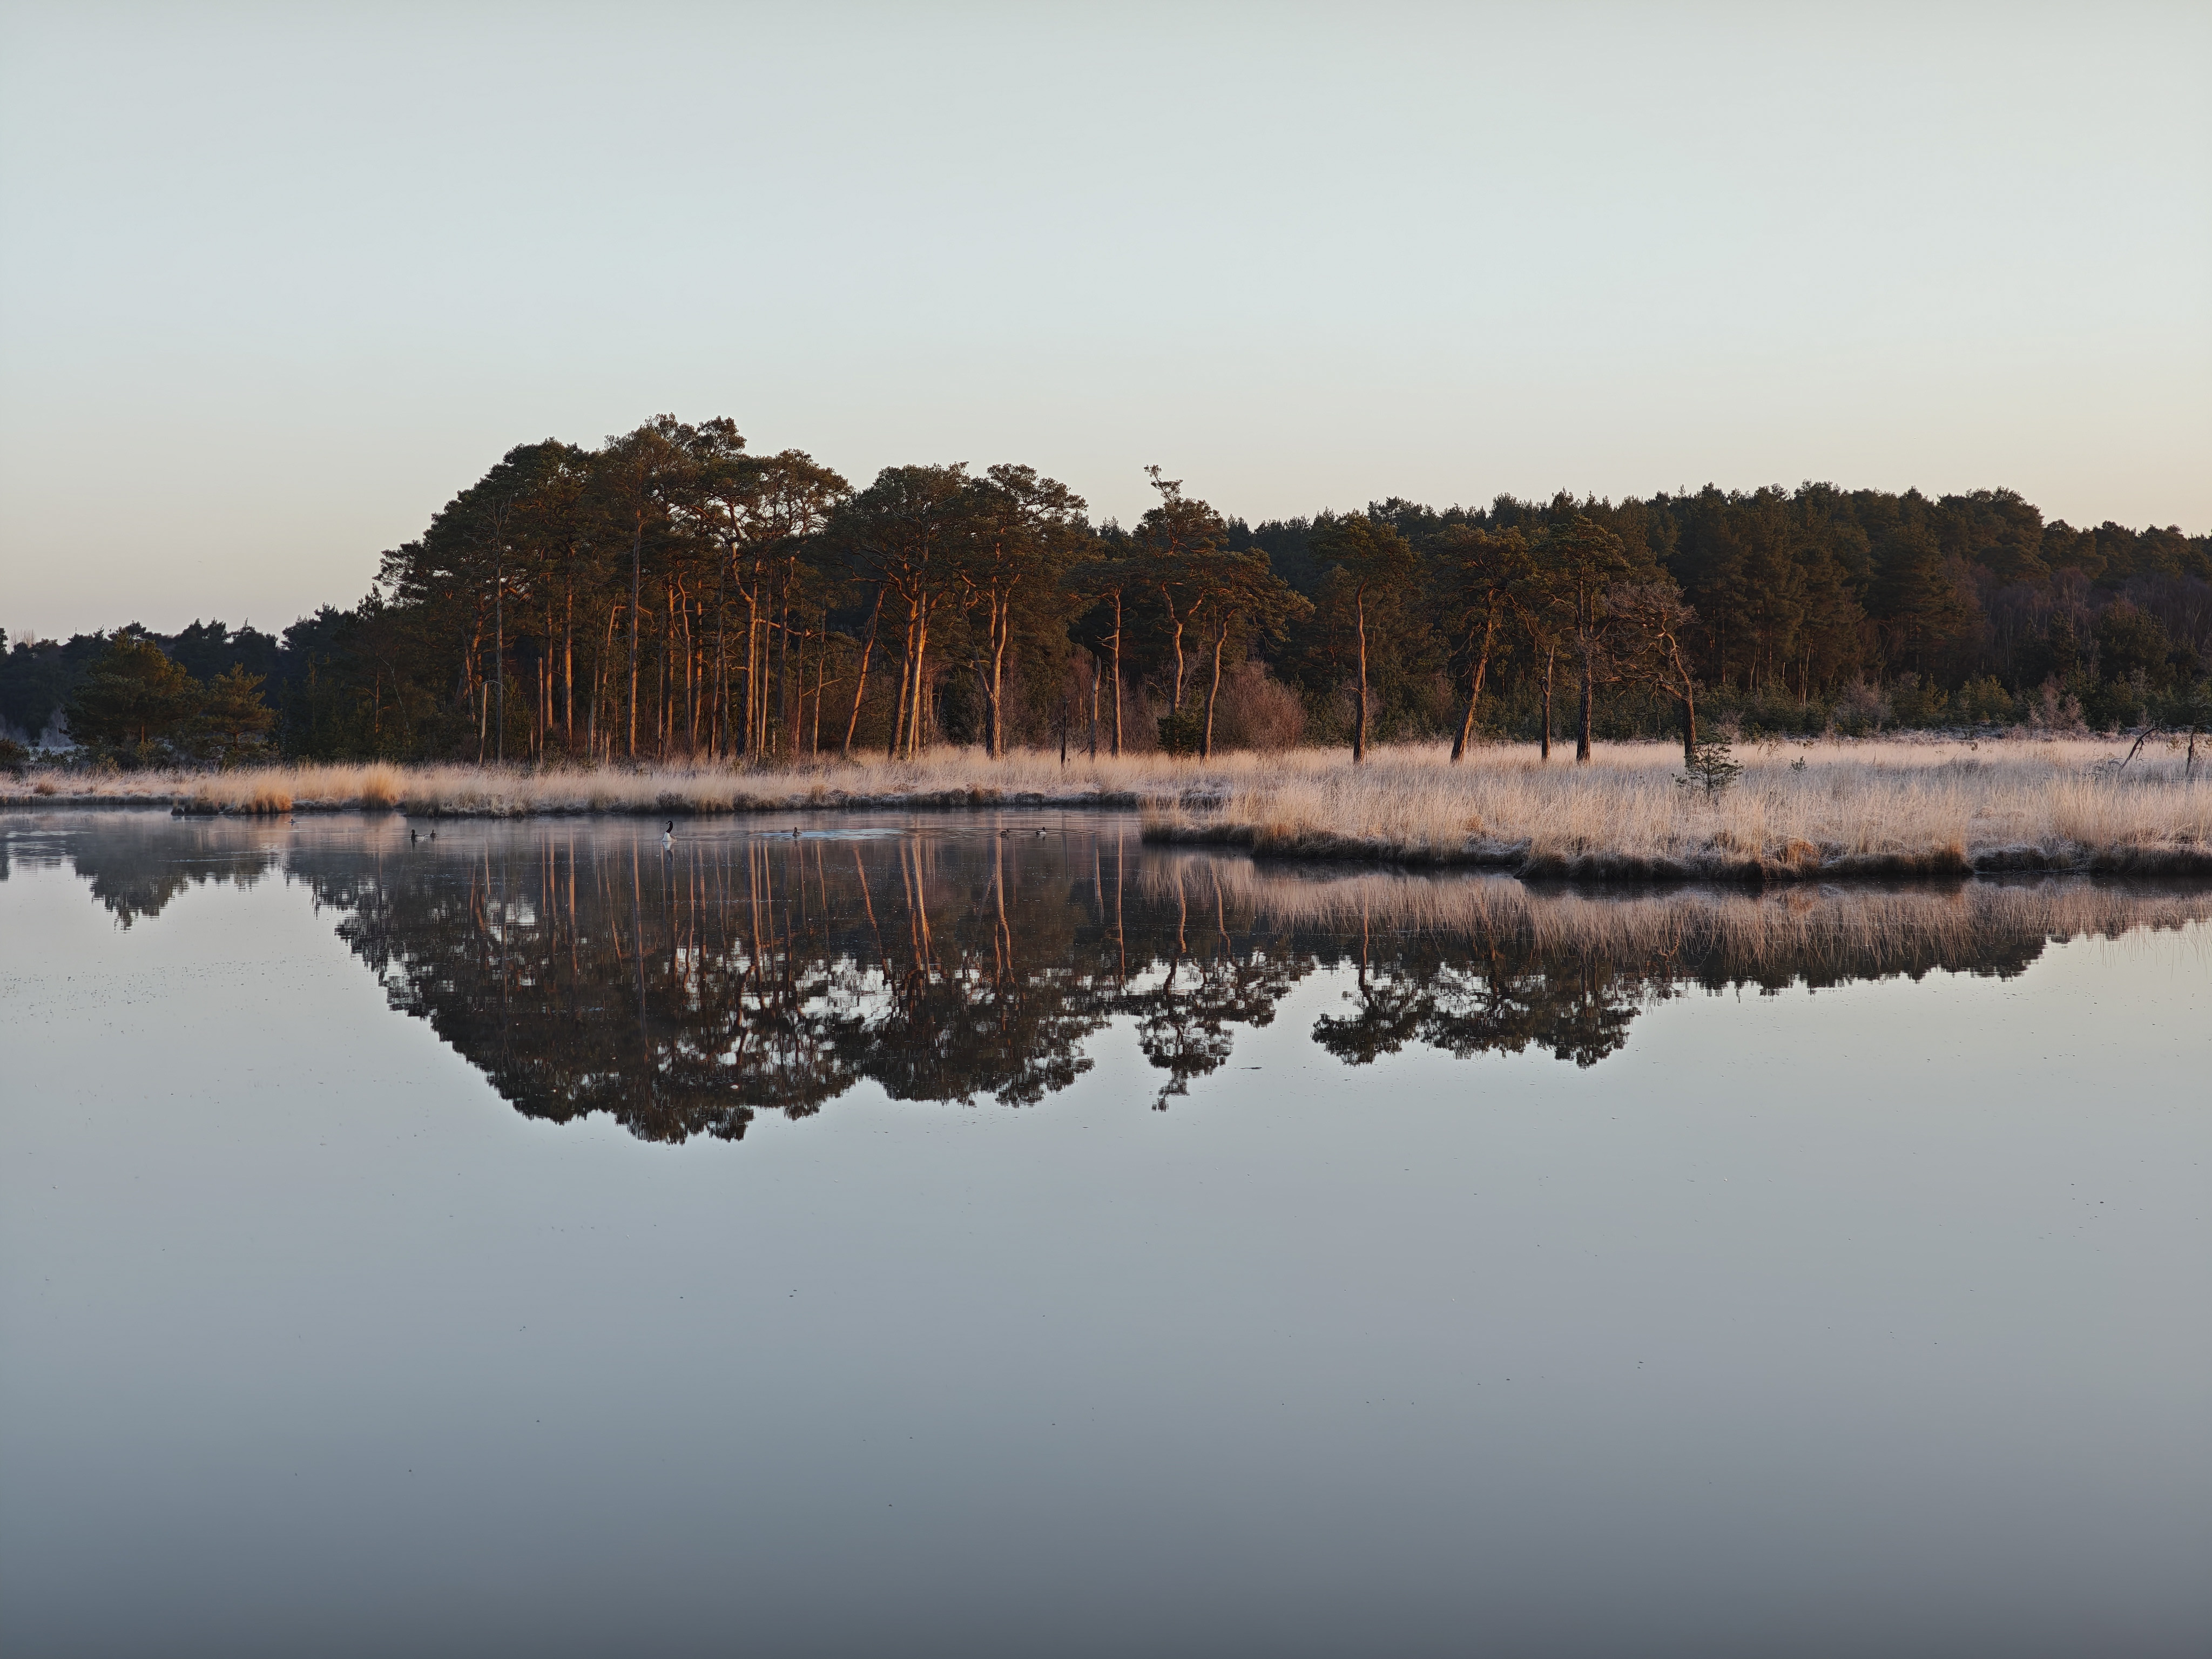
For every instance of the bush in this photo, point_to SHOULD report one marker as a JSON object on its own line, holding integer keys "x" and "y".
{"x": 1861, "y": 710}
{"x": 2053, "y": 709}
{"x": 1182, "y": 732}
{"x": 1916, "y": 701}
{"x": 1984, "y": 702}
{"x": 1256, "y": 710}
{"x": 1712, "y": 768}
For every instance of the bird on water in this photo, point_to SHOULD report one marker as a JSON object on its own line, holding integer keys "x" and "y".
{"x": 668, "y": 837}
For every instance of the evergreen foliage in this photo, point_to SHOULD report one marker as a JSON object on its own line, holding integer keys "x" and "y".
{"x": 1711, "y": 766}
{"x": 672, "y": 595}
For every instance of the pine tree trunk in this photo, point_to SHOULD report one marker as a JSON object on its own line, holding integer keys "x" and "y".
{"x": 906, "y": 687}
{"x": 920, "y": 684}
{"x": 1551, "y": 659}
{"x": 998, "y": 629}
{"x": 1583, "y": 727}
{"x": 1117, "y": 677}
{"x": 636, "y": 593}
{"x": 1474, "y": 693}
{"x": 1360, "y": 731}
{"x": 1214, "y": 692}
{"x": 860, "y": 686}
{"x": 499, "y": 654}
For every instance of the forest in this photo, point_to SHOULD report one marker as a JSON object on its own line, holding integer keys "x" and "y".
{"x": 673, "y": 595}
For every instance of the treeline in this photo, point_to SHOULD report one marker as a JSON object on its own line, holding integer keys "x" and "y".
{"x": 672, "y": 595}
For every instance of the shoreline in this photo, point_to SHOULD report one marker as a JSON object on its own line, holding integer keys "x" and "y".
{"x": 949, "y": 801}
{"x": 1802, "y": 863}
{"x": 1825, "y": 811}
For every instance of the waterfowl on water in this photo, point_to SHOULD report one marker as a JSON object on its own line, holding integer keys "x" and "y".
{"x": 668, "y": 837}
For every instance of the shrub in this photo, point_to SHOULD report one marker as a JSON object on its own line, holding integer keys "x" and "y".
{"x": 1984, "y": 702}
{"x": 1256, "y": 710}
{"x": 1859, "y": 709}
{"x": 1182, "y": 732}
{"x": 1713, "y": 766}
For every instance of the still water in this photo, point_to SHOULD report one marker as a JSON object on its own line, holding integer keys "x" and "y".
{"x": 991, "y": 1236}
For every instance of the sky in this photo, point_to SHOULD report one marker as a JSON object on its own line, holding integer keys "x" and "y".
{"x": 276, "y": 282}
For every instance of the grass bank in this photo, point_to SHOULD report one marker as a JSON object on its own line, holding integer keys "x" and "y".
{"x": 1819, "y": 811}
{"x": 950, "y": 778}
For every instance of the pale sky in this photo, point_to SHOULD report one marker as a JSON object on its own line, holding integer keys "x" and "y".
{"x": 275, "y": 283}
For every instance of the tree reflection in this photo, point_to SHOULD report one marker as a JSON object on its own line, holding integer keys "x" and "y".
{"x": 137, "y": 864}
{"x": 587, "y": 970}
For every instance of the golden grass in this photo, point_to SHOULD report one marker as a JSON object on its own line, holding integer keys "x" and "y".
{"x": 1828, "y": 808}
{"x": 1797, "y": 811}
{"x": 1796, "y": 931}
{"x": 951, "y": 777}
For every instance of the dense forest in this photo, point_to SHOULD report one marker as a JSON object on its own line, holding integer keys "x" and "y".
{"x": 671, "y": 594}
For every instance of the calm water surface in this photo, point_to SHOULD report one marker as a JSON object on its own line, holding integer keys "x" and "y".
{"x": 990, "y": 1236}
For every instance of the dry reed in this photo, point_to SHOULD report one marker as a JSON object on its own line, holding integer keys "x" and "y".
{"x": 1798, "y": 811}
{"x": 1822, "y": 810}
{"x": 1854, "y": 931}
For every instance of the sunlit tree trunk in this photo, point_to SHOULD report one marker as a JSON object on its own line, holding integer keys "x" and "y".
{"x": 1474, "y": 690}
{"x": 906, "y": 685}
{"x": 1214, "y": 691}
{"x": 498, "y": 649}
{"x": 636, "y": 596}
{"x": 1551, "y": 658}
{"x": 1359, "y": 625}
{"x": 861, "y": 682}
{"x": 1588, "y": 694}
{"x": 1117, "y": 676}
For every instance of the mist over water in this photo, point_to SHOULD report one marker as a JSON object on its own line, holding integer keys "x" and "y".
{"x": 987, "y": 1234}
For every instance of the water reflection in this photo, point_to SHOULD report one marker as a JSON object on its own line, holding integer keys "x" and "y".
{"x": 137, "y": 864}
{"x": 584, "y": 969}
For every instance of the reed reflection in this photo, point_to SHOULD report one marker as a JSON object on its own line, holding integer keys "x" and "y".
{"x": 587, "y": 970}
{"x": 682, "y": 994}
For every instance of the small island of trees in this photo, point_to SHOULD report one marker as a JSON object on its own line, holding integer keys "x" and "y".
{"x": 673, "y": 596}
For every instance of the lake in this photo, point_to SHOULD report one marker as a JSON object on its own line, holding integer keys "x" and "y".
{"x": 988, "y": 1234}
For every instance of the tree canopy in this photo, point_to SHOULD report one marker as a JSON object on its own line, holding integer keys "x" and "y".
{"x": 672, "y": 593}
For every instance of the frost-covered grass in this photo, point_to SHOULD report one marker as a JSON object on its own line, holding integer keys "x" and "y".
{"x": 1819, "y": 808}
{"x": 1893, "y": 809}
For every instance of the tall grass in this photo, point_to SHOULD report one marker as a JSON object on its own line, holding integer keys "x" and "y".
{"x": 1814, "y": 932}
{"x": 1898, "y": 807}
{"x": 1885, "y": 808}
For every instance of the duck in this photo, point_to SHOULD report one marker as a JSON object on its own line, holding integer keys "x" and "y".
{"x": 668, "y": 837}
